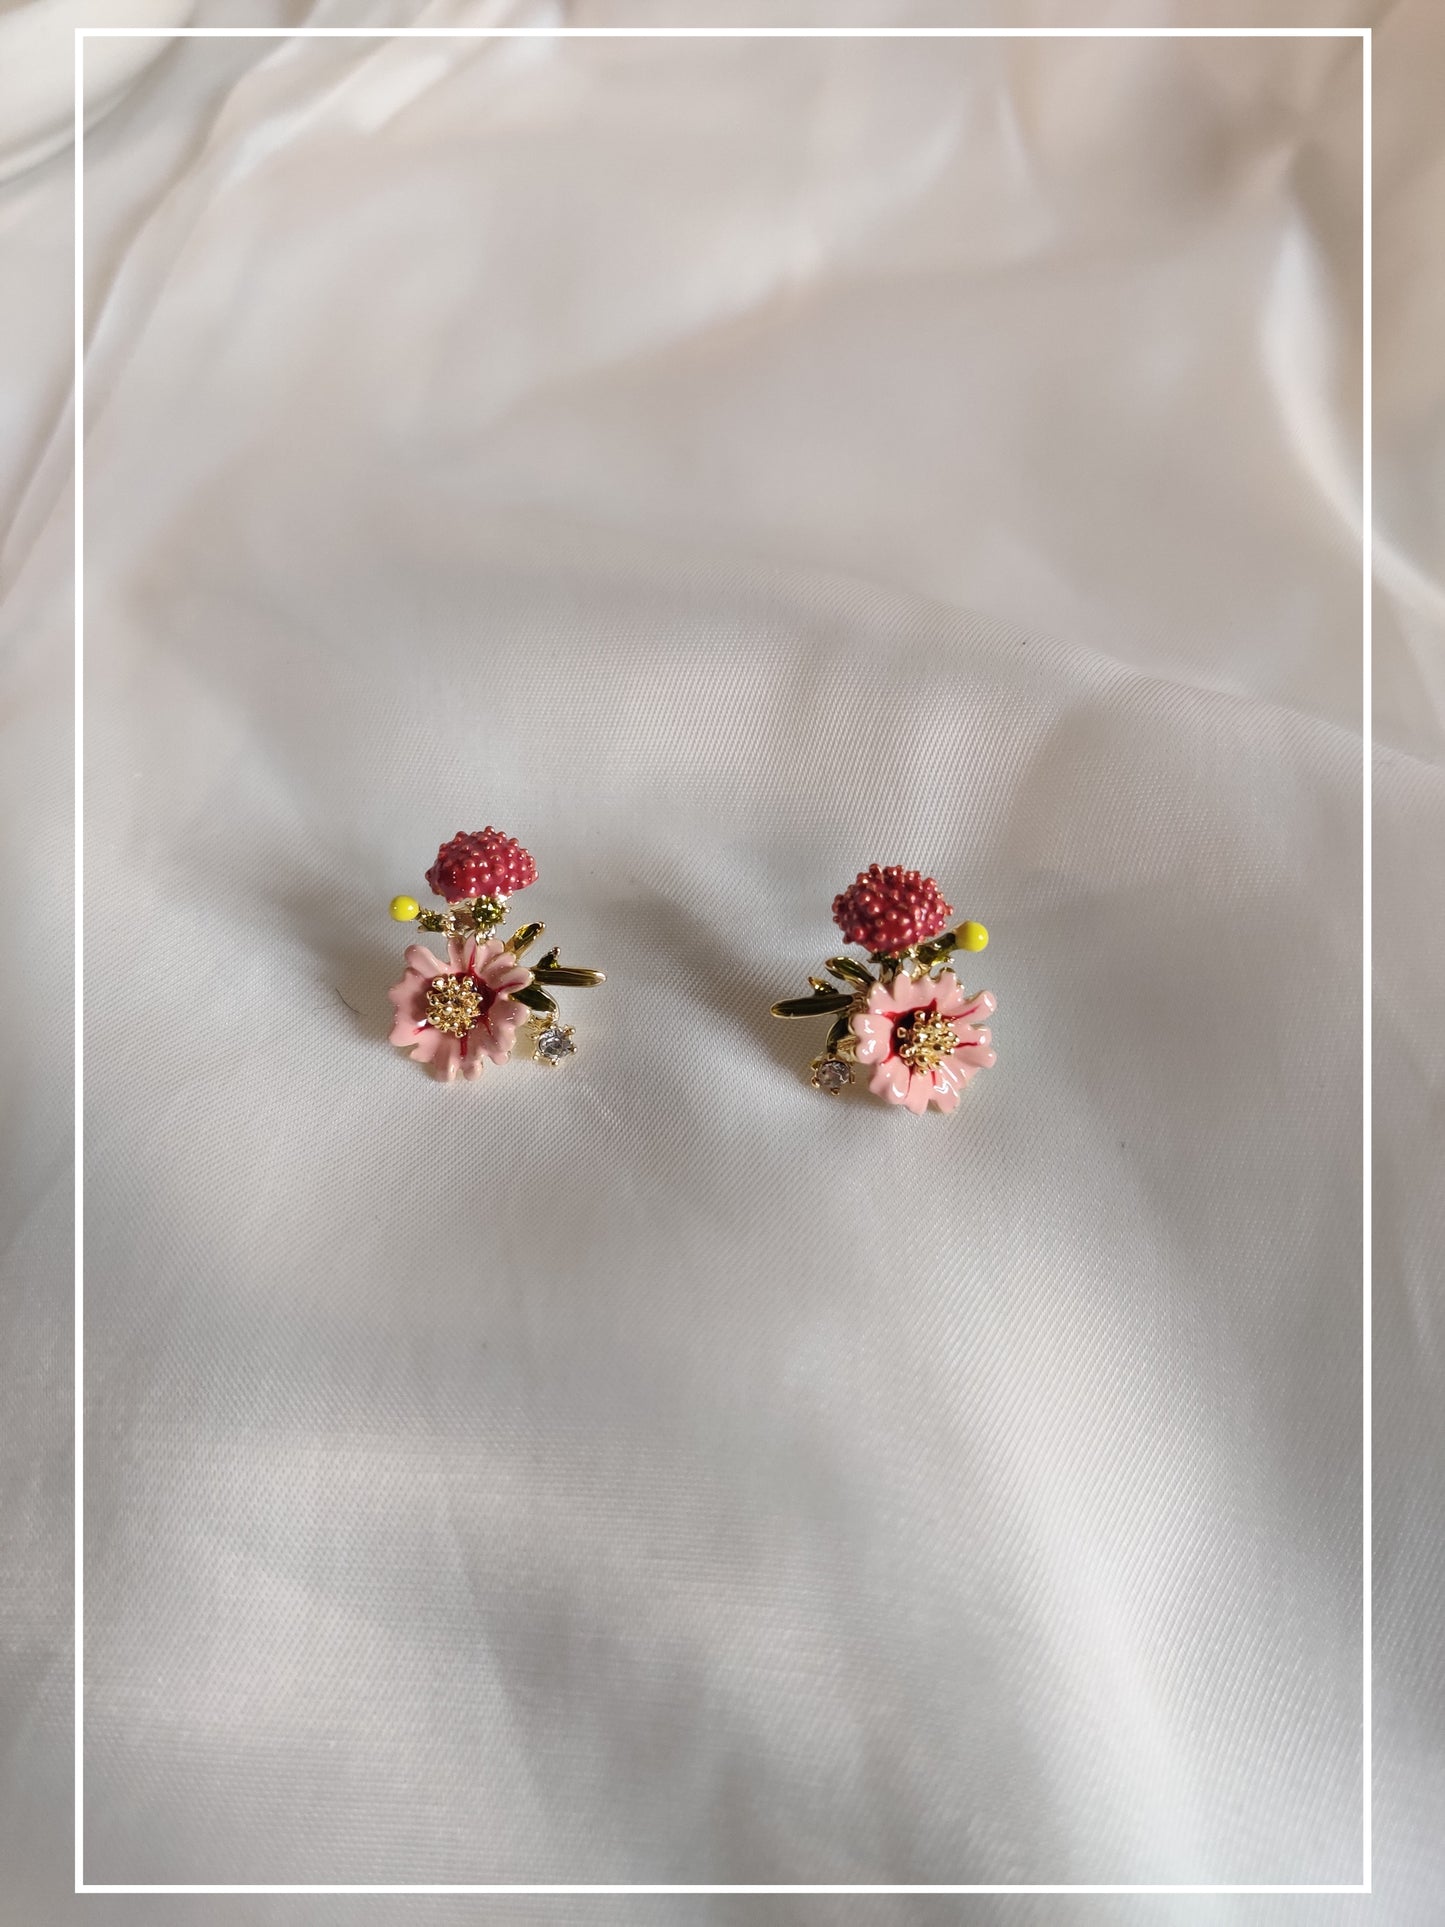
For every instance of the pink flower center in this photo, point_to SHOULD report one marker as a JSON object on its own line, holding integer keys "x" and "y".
{"x": 453, "y": 1004}
{"x": 923, "y": 1039}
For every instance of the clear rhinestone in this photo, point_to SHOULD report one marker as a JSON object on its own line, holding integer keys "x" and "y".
{"x": 555, "y": 1043}
{"x": 832, "y": 1075}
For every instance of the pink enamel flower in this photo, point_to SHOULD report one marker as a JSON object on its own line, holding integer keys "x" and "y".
{"x": 453, "y": 1016}
{"x": 921, "y": 1040}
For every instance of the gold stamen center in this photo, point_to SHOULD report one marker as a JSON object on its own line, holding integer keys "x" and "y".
{"x": 453, "y": 1004}
{"x": 924, "y": 1040}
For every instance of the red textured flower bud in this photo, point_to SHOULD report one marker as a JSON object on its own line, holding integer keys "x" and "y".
{"x": 481, "y": 863}
{"x": 891, "y": 909}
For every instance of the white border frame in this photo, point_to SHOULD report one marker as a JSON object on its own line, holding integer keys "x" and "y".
{"x": 1365, "y": 36}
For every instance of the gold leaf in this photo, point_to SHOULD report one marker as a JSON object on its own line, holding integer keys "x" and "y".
{"x": 851, "y": 972}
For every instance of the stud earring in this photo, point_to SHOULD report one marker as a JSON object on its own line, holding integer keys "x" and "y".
{"x": 906, "y": 1018}
{"x": 455, "y": 1015}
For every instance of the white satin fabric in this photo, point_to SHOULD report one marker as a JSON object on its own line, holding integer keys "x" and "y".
{"x": 723, "y": 465}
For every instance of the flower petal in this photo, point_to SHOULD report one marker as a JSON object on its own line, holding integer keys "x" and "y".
{"x": 459, "y": 949}
{"x": 920, "y": 1089}
{"x": 907, "y": 995}
{"x": 943, "y": 1093}
{"x": 505, "y": 976}
{"x": 954, "y": 1072}
{"x": 496, "y": 1034}
{"x": 983, "y": 1003}
{"x": 890, "y": 1080}
{"x": 421, "y": 960}
{"x": 975, "y": 1050}
{"x": 425, "y": 1042}
{"x": 406, "y": 1029}
{"x": 443, "y": 1055}
{"x": 874, "y": 1032}
{"x": 879, "y": 999}
{"x": 408, "y": 999}
{"x": 948, "y": 995}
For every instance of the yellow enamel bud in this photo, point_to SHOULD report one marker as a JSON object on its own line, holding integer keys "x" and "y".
{"x": 405, "y": 909}
{"x": 973, "y": 936}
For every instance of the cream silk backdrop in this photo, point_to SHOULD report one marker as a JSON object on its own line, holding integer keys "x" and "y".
{"x": 725, "y": 464}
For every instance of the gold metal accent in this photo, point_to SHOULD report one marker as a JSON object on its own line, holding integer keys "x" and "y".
{"x": 937, "y": 948}
{"x": 521, "y": 939}
{"x": 540, "y": 1028}
{"x": 892, "y": 963}
{"x": 546, "y": 962}
{"x": 814, "y": 1006}
{"x": 453, "y": 1005}
{"x": 849, "y": 970}
{"x": 840, "y": 1034}
{"x": 566, "y": 977}
{"x": 924, "y": 1040}
{"x": 487, "y": 913}
{"x": 822, "y": 986}
{"x": 481, "y": 915}
{"x": 827, "y": 1084}
{"x": 535, "y": 998}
